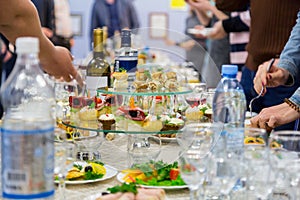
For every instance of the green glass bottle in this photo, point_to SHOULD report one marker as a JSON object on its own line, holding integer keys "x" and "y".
{"x": 98, "y": 69}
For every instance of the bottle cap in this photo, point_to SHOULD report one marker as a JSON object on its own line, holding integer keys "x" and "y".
{"x": 229, "y": 69}
{"x": 126, "y": 38}
{"x": 27, "y": 45}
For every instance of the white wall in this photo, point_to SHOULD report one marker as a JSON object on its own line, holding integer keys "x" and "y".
{"x": 143, "y": 7}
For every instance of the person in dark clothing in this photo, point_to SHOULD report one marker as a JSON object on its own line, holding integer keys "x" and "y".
{"x": 45, "y": 10}
{"x": 269, "y": 32}
{"x": 115, "y": 14}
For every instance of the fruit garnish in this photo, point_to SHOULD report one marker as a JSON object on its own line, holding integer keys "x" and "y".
{"x": 131, "y": 102}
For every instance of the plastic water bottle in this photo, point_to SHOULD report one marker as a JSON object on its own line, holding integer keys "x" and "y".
{"x": 229, "y": 108}
{"x": 27, "y": 128}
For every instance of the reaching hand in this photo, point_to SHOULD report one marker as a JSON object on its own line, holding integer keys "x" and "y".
{"x": 60, "y": 65}
{"x": 275, "y": 77}
{"x": 274, "y": 116}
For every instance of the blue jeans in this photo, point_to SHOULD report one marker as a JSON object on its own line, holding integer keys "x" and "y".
{"x": 274, "y": 96}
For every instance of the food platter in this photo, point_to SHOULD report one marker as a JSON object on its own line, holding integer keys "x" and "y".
{"x": 110, "y": 172}
{"x": 121, "y": 175}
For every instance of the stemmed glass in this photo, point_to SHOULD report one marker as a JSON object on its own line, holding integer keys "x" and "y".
{"x": 63, "y": 90}
{"x": 87, "y": 145}
{"x": 194, "y": 99}
{"x": 260, "y": 175}
{"x": 64, "y": 159}
{"x": 196, "y": 141}
{"x": 207, "y": 98}
{"x": 285, "y": 159}
{"x": 142, "y": 148}
{"x": 193, "y": 169}
{"x": 200, "y": 136}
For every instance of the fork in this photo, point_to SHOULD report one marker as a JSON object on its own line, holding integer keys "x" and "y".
{"x": 262, "y": 89}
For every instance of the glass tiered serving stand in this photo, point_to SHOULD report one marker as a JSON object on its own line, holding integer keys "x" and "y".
{"x": 137, "y": 111}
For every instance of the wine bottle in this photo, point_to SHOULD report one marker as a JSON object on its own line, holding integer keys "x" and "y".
{"x": 98, "y": 69}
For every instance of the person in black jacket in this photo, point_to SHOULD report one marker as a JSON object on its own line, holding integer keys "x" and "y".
{"x": 46, "y": 13}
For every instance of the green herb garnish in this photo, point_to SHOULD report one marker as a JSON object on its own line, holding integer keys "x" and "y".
{"x": 125, "y": 187}
{"x": 121, "y": 69}
{"x": 92, "y": 176}
{"x": 77, "y": 166}
{"x": 147, "y": 74}
{"x": 92, "y": 105}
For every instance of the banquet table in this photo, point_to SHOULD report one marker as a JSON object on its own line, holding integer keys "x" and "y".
{"x": 114, "y": 154}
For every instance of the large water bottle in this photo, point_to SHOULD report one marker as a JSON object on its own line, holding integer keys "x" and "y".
{"x": 229, "y": 108}
{"x": 27, "y": 128}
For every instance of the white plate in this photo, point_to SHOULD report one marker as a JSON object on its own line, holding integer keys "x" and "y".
{"x": 110, "y": 172}
{"x": 203, "y": 32}
{"x": 121, "y": 175}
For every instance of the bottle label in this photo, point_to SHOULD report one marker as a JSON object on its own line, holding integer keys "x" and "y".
{"x": 128, "y": 63}
{"x": 27, "y": 163}
{"x": 95, "y": 82}
{"x": 235, "y": 140}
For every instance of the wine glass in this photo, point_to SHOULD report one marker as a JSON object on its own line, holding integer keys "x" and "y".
{"x": 285, "y": 155}
{"x": 63, "y": 160}
{"x": 207, "y": 98}
{"x": 194, "y": 98}
{"x": 260, "y": 175}
{"x": 63, "y": 90}
{"x": 142, "y": 148}
{"x": 88, "y": 144}
{"x": 193, "y": 169}
{"x": 200, "y": 136}
{"x": 223, "y": 173}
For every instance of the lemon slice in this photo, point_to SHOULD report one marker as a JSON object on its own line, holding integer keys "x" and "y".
{"x": 98, "y": 169}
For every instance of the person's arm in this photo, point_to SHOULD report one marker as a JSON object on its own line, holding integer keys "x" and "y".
{"x": 222, "y": 27}
{"x": 274, "y": 116}
{"x": 203, "y": 17}
{"x": 202, "y": 6}
{"x": 290, "y": 56}
{"x": 21, "y": 19}
{"x": 286, "y": 70}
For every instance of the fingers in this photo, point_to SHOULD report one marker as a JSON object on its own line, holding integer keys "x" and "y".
{"x": 272, "y": 121}
{"x": 260, "y": 78}
{"x": 260, "y": 121}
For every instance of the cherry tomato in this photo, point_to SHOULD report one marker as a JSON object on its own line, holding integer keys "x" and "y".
{"x": 174, "y": 173}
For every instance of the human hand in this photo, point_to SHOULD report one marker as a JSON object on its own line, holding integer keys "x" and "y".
{"x": 218, "y": 31}
{"x": 274, "y": 116}
{"x": 60, "y": 65}
{"x": 275, "y": 77}
{"x": 201, "y": 5}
